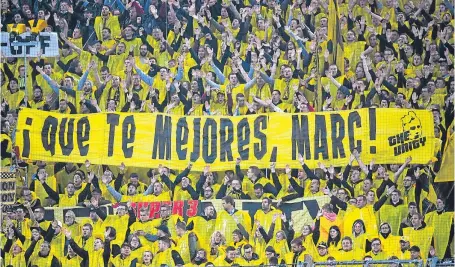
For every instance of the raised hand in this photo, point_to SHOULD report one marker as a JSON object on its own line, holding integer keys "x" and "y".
{"x": 206, "y": 170}
{"x": 226, "y": 180}
{"x": 90, "y": 177}
{"x": 122, "y": 167}
{"x": 272, "y": 166}
{"x": 408, "y": 160}
{"x": 67, "y": 233}
{"x": 160, "y": 169}
{"x": 104, "y": 179}
{"x": 301, "y": 159}
{"x": 94, "y": 202}
{"x": 327, "y": 191}
{"x": 275, "y": 217}
{"x": 319, "y": 215}
{"x": 331, "y": 170}
{"x": 321, "y": 165}
{"x": 288, "y": 170}
{"x": 355, "y": 153}
{"x": 417, "y": 173}
{"x": 390, "y": 190}
{"x": 87, "y": 164}
{"x": 107, "y": 233}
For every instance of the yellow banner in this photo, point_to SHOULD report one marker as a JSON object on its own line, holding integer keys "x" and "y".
{"x": 386, "y": 136}
{"x": 147, "y": 140}
{"x": 445, "y": 174}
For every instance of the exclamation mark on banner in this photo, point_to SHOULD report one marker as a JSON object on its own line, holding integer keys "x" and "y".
{"x": 372, "y": 119}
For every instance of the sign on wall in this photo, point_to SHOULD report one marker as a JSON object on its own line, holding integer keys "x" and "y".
{"x": 26, "y": 45}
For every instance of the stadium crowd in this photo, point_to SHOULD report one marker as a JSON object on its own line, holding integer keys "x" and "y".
{"x": 229, "y": 58}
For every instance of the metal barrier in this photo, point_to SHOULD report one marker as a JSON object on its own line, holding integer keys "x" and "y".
{"x": 419, "y": 263}
{"x": 446, "y": 262}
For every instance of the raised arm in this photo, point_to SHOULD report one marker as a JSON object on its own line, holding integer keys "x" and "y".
{"x": 147, "y": 79}
{"x": 401, "y": 169}
{"x": 53, "y": 84}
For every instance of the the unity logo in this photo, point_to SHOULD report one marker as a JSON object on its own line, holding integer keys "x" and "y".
{"x": 411, "y": 138}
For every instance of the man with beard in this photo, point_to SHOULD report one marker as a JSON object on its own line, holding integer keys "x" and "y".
{"x": 235, "y": 189}
{"x": 142, "y": 61}
{"x": 230, "y": 219}
{"x": 167, "y": 255}
{"x": 37, "y": 101}
{"x": 44, "y": 225}
{"x": 297, "y": 254}
{"x": 201, "y": 258}
{"x": 106, "y": 21}
{"x": 265, "y": 216}
{"x": 207, "y": 183}
{"x": 203, "y": 224}
{"x": 227, "y": 259}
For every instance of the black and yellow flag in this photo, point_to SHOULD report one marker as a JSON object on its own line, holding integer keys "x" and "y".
{"x": 445, "y": 174}
{"x": 335, "y": 36}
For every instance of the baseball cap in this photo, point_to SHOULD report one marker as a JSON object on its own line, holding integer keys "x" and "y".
{"x": 164, "y": 228}
{"x": 404, "y": 239}
{"x": 322, "y": 244}
{"x": 270, "y": 249}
